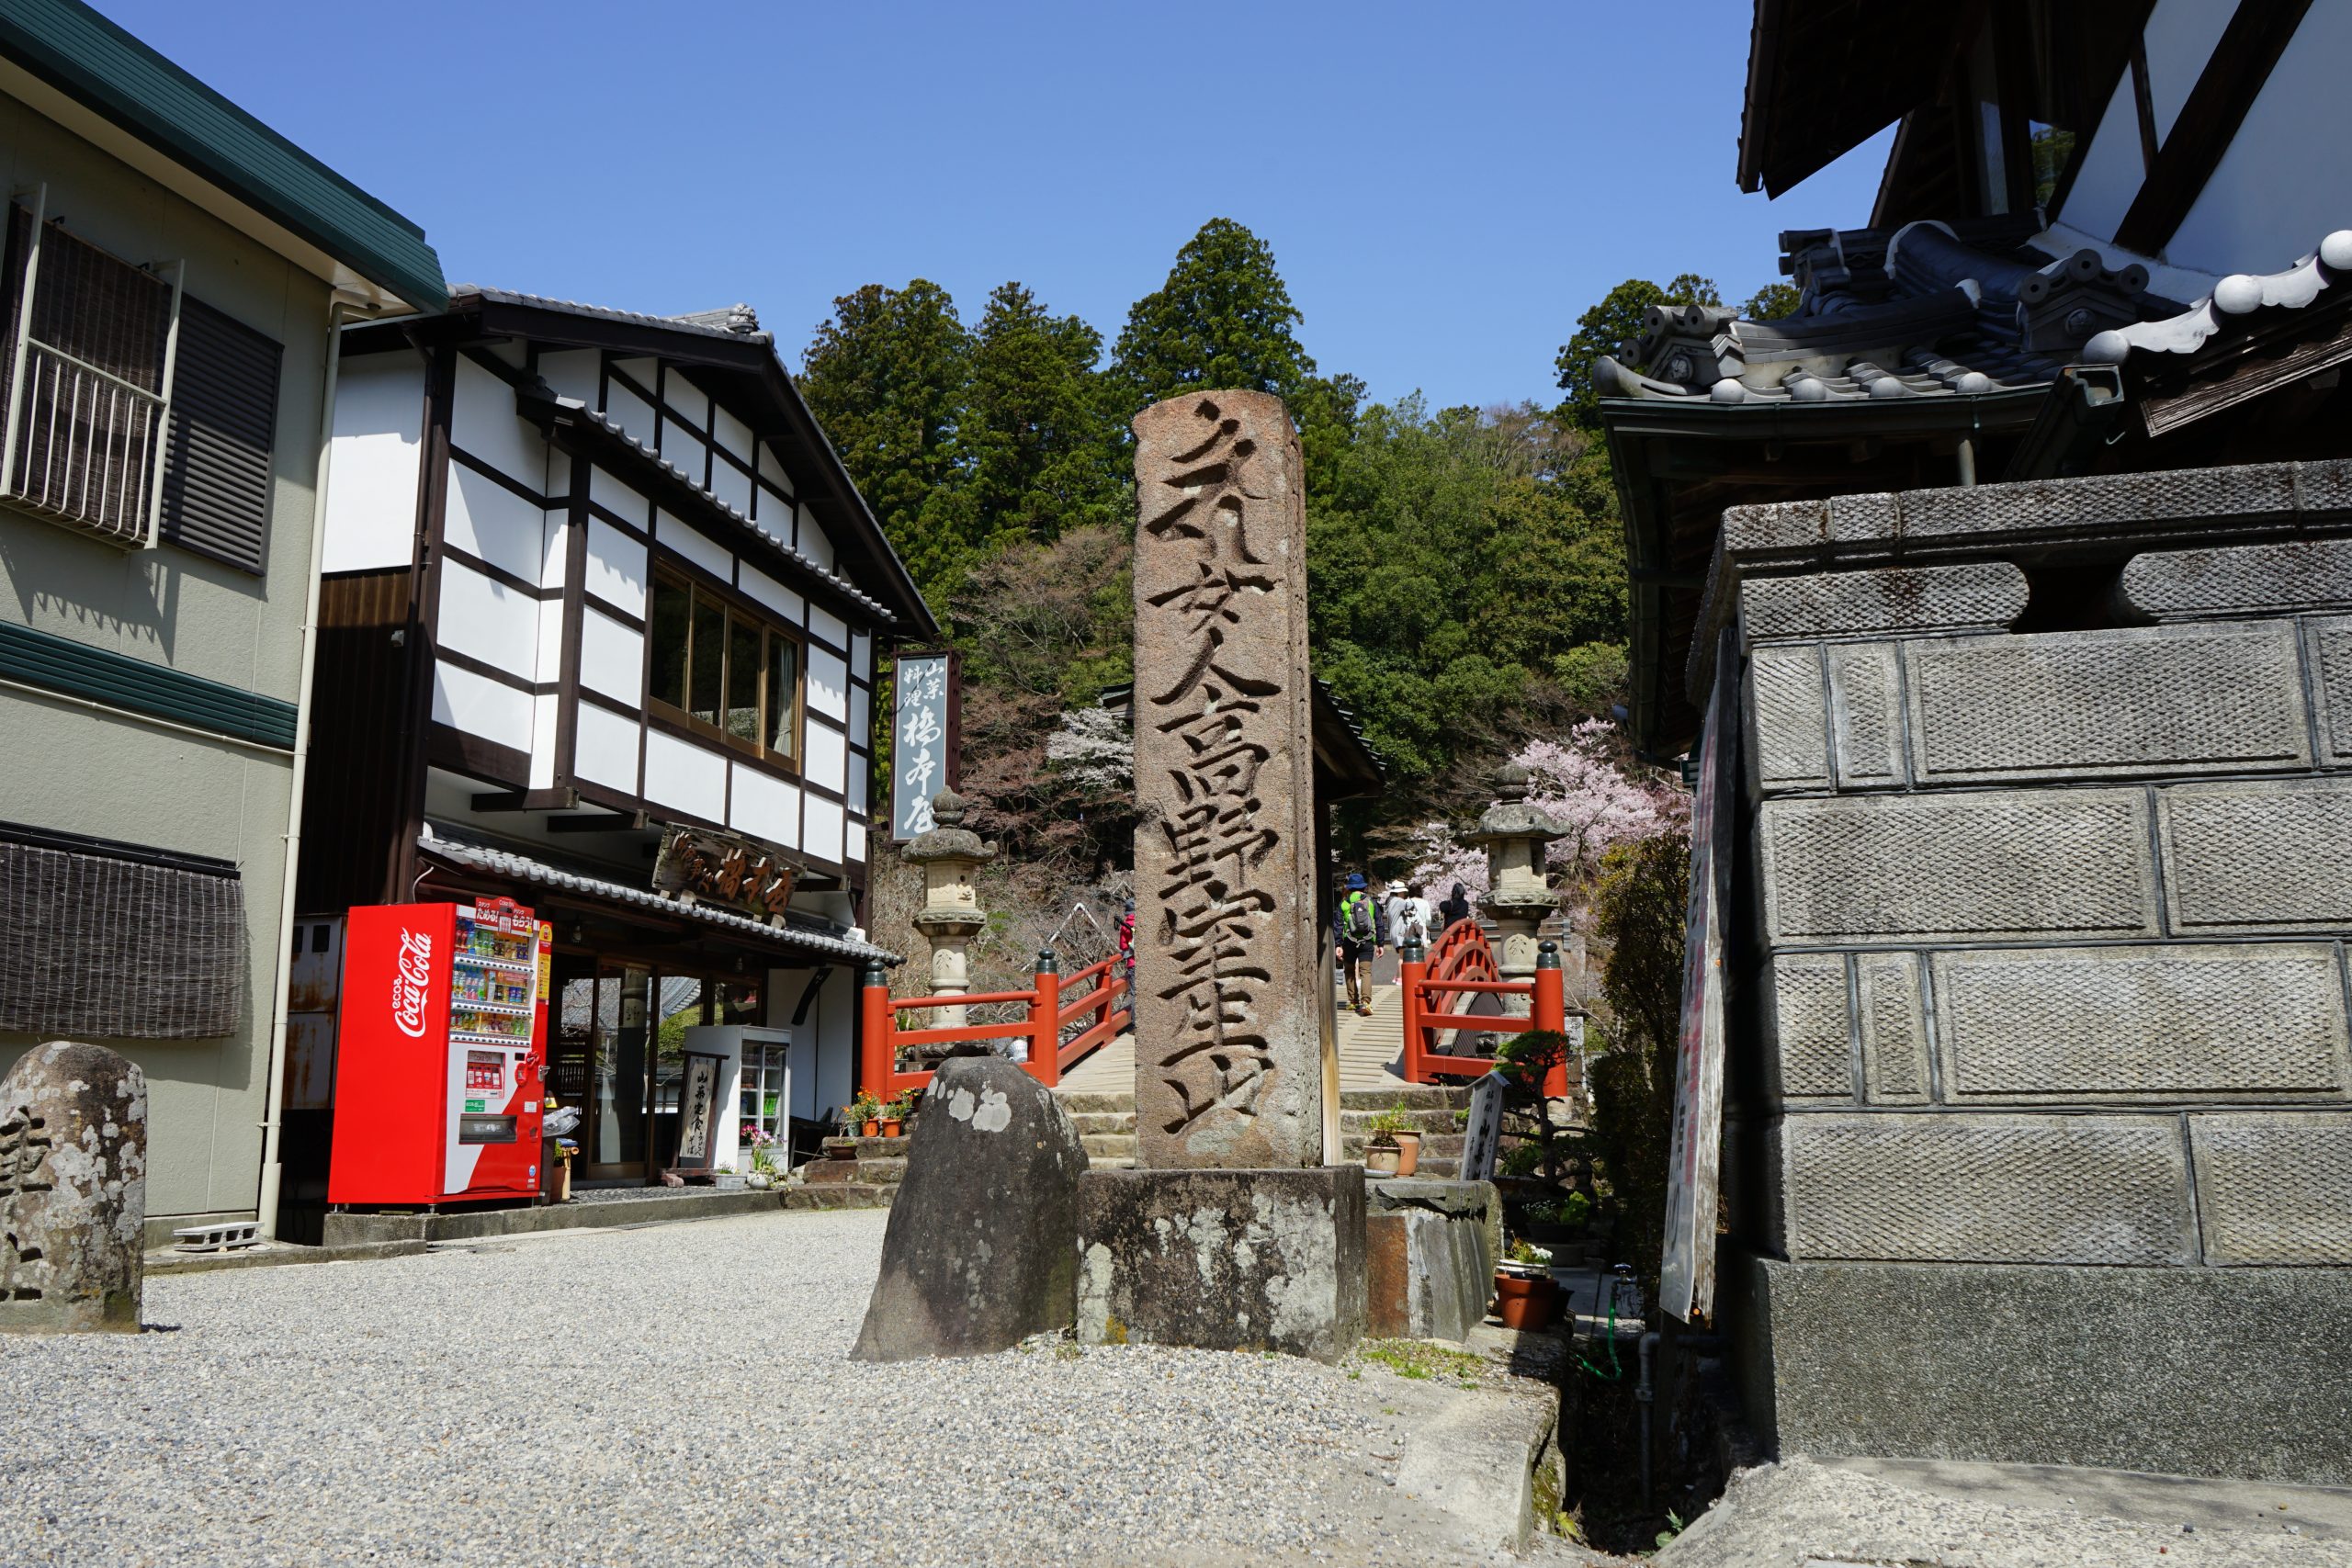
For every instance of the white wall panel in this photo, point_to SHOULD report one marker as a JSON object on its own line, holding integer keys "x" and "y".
{"x": 484, "y": 424}
{"x": 2179, "y": 38}
{"x": 612, "y": 658}
{"x": 821, "y": 829}
{"x": 860, "y": 770}
{"x": 827, "y": 756}
{"x": 769, "y": 592}
{"x": 695, "y": 545}
{"x": 860, "y": 734}
{"x": 619, "y": 500}
{"x": 733, "y": 486}
{"x": 616, "y": 567}
{"x": 487, "y": 520}
{"x": 572, "y": 373}
{"x": 554, "y": 528}
{"x": 544, "y": 710}
{"x": 826, "y": 626}
{"x": 734, "y": 436}
{"x": 683, "y": 449}
{"x": 861, "y": 656}
{"x": 765, "y": 806}
{"x": 605, "y": 748}
{"x": 2112, "y": 169}
{"x": 486, "y": 619}
{"x": 812, "y": 542}
{"x": 772, "y": 470}
{"x": 371, "y": 485}
{"x": 680, "y": 774}
{"x": 549, "y": 657}
{"x": 686, "y": 398}
{"x": 482, "y": 707}
{"x": 828, "y": 681}
{"x": 854, "y": 840}
{"x": 2277, "y": 192}
{"x": 630, "y": 411}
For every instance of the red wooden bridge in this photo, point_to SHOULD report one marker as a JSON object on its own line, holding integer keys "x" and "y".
{"x": 1461, "y": 966}
{"x": 1100, "y": 1013}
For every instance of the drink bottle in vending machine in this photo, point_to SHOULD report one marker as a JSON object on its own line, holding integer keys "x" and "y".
{"x": 442, "y": 1045}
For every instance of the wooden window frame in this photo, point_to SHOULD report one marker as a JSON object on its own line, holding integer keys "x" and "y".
{"x": 734, "y": 610}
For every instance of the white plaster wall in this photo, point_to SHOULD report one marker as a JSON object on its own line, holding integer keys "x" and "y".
{"x": 554, "y": 537}
{"x": 2111, "y": 171}
{"x": 861, "y": 656}
{"x": 2178, "y": 39}
{"x": 734, "y": 436}
{"x": 482, "y": 706}
{"x": 686, "y": 398}
{"x": 765, "y": 807}
{"x": 732, "y": 485}
{"x": 683, "y": 449}
{"x": 630, "y": 411}
{"x": 860, "y": 721}
{"x": 823, "y": 624}
{"x": 684, "y": 776}
{"x": 2278, "y": 190}
{"x": 544, "y": 708}
{"x": 812, "y": 542}
{"x": 824, "y": 1044}
{"x": 828, "y": 681}
{"x": 612, "y": 658}
{"x": 487, "y": 520}
{"x": 616, "y": 569}
{"x": 483, "y": 423}
{"x": 698, "y": 548}
{"x": 820, "y": 829}
{"x": 854, "y": 841}
{"x": 619, "y": 499}
{"x": 378, "y": 444}
{"x": 605, "y": 748}
{"x": 771, "y": 592}
{"x": 484, "y": 617}
{"x": 826, "y": 760}
{"x": 773, "y": 471}
{"x": 572, "y": 373}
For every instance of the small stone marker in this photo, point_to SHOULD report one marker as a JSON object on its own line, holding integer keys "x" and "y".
{"x": 73, "y": 1191}
{"x": 982, "y": 1246}
{"x": 1483, "y": 1137}
{"x": 1229, "y": 1068}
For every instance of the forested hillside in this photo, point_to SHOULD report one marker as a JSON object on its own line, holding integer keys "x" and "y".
{"x": 1466, "y": 565}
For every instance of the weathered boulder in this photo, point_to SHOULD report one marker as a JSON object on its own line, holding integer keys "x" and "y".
{"x": 982, "y": 1246}
{"x": 73, "y": 1191}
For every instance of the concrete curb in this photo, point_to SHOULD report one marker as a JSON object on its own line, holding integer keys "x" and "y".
{"x": 271, "y": 1256}
{"x": 484, "y": 1224}
{"x": 1482, "y": 1460}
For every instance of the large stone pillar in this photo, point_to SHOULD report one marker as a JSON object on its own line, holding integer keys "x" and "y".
{"x": 1229, "y": 1051}
{"x": 1518, "y": 895}
{"x": 951, "y": 916}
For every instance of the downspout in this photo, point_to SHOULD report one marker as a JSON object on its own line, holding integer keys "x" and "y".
{"x": 273, "y": 1168}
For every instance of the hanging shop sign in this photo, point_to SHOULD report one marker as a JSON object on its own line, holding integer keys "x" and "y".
{"x": 926, "y": 738}
{"x": 718, "y": 868}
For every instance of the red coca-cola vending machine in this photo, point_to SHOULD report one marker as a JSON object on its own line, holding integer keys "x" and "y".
{"x": 441, "y": 1046}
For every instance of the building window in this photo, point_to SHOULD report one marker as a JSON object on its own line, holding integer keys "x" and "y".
{"x": 223, "y": 434}
{"x": 724, "y": 671}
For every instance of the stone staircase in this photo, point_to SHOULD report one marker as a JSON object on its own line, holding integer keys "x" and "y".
{"x": 865, "y": 1173}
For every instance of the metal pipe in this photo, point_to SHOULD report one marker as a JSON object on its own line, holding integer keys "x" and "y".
{"x": 1643, "y": 1396}
{"x": 273, "y": 1167}
{"x": 1967, "y": 462}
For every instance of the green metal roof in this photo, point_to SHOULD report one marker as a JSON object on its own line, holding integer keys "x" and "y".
{"x": 113, "y": 74}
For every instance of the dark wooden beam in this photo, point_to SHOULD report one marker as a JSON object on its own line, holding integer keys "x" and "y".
{"x": 613, "y": 824}
{"x": 526, "y": 800}
{"x": 2257, "y": 35}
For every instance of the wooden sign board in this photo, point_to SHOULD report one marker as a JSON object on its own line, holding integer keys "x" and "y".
{"x": 718, "y": 868}
{"x": 1482, "y": 1138}
{"x": 697, "y": 1110}
{"x": 926, "y": 742}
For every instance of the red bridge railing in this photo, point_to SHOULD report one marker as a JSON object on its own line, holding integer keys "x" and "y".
{"x": 1101, "y": 1012}
{"x": 1461, "y": 964}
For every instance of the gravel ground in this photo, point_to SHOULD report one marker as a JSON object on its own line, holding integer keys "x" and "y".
{"x": 1801, "y": 1514}
{"x": 591, "y": 1398}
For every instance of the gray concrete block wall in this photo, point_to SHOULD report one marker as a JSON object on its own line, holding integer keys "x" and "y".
{"x": 2053, "y": 924}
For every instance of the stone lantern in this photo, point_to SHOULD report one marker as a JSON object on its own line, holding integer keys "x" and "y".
{"x": 1518, "y": 897}
{"x": 951, "y": 914}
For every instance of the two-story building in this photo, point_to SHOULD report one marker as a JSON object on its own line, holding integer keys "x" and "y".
{"x": 599, "y": 597}
{"x": 173, "y": 275}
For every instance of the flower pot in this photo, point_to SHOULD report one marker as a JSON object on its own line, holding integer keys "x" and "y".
{"x": 890, "y": 1125}
{"x": 1525, "y": 1301}
{"x": 759, "y": 1181}
{"x": 1380, "y": 1159}
{"x": 559, "y": 1182}
{"x": 1409, "y": 1152}
{"x": 870, "y": 1129}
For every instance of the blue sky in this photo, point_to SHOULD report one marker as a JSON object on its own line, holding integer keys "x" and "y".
{"x": 1445, "y": 188}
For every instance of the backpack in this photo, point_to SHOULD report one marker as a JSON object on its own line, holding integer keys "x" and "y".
{"x": 1356, "y": 919}
{"x": 1415, "y": 923}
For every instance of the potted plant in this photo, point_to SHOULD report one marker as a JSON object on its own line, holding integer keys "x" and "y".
{"x": 761, "y": 1177}
{"x": 904, "y": 1106}
{"x": 1395, "y": 1125}
{"x": 1525, "y": 1295}
{"x": 864, "y": 1117}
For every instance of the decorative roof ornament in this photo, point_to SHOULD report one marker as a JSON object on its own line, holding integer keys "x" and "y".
{"x": 2240, "y": 294}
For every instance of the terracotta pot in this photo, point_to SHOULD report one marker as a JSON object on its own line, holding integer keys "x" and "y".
{"x": 870, "y": 1129}
{"x": 890, "y": 1126}
{"x": 1524, "y": 1301}
{"x": 1409, "y": 1152}
{"x": 1381, "y": 1159}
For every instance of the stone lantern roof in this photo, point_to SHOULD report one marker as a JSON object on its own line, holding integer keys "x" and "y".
{"x": 1510, "y": 817}
{"x": 948, "y": 839}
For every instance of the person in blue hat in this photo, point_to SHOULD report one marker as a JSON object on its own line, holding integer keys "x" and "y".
{"x": 1362, "y": 928}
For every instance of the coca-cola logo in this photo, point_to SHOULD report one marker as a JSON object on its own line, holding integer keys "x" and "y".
{"x": 412, "y": 978}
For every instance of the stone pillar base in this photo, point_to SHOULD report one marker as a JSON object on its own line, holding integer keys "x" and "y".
{"x": 2239, "y": 1371}
{"x": 1430, "y": 1253}
{"x": 1222, "y": 1259}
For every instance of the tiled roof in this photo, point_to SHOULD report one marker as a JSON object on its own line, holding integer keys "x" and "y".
{"x": 2239, "y": 295}
{"x": 458, "y": 847}
{"x": 709, "y": 324}
{"x": 1933, "y": 309}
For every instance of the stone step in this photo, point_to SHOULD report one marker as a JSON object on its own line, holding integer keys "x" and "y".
{"x": 1105, "y": 1121}
{"x": 838, "y": 1195}
{"x": 1416, "y": 1097}
{"x": 884, "y": 1172}
{"x": 867, "y": 1148}
{"x": 1440, "y": 1119}
{"x": 1108, "y": 1146}
{"x": 1077, "y": 1102}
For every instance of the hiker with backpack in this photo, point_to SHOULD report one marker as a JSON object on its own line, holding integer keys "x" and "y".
{"x": 1364, "y": 935}
{"x": 1408, "y": 917}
